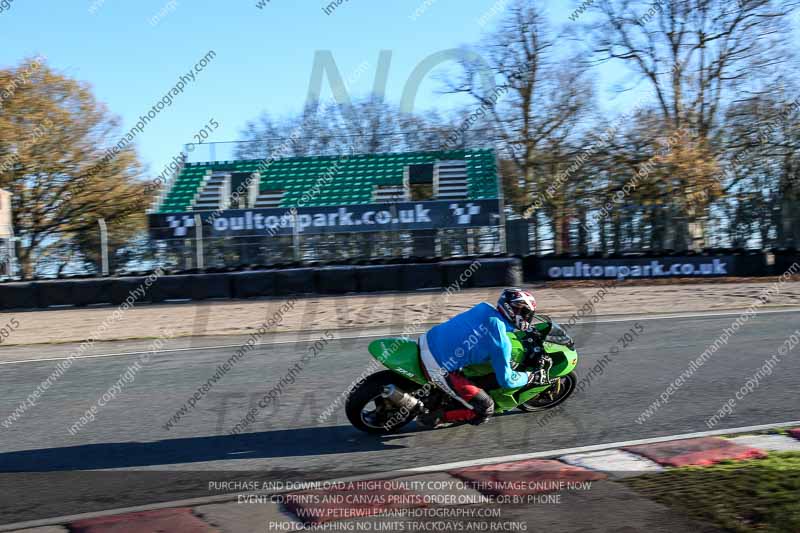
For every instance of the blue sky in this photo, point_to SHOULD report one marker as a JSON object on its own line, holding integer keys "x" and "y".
{"x": 263, "y": 57}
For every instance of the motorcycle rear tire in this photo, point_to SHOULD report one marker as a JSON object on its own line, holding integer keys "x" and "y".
{"x": 370, "y": 389}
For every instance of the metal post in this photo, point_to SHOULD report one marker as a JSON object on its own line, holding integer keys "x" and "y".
{"x": 103, "y": 246}
{"x": 7, "y": 232}
{"x": 501, "y": 202}
{"x": 8, "y": 256}
{"x": 295, "y": 236}
{"x": 12, "y": 252}
{"x": 5, "y": 259}
{"x": 198, "y": 232}
{"x": 13, "y": 266}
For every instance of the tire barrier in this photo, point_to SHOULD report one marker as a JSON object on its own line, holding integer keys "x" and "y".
{"x": 57, "y": 293}
{"x": 750, "y": 264}
{"x": 529, "y": 267}
{"x": 294, "y": 281}
{"x": 785, "y": 260}
{"x": 343, "y": 279}
{"x": 252, "y": 284}
{"x": 459, "y": 274}
{"x": 211, "y": 287}
{"x": 122, "y": 288}
{"x": 421, "y": 276}
{"x": 171, "y": 288}
{"x": 19, "y": 295}
{"x": 380, "y": 278}
{"x": 78, "y": 293}
{"x": 336, "y": 280}
{"x": 497, "y": 272}
{"x": 93, "y": 292}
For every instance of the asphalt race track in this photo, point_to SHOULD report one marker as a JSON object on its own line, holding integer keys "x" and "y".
{"x": 288, "y": 442}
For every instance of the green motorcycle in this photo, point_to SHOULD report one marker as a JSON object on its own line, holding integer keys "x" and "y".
{"x": 388, "y": 400}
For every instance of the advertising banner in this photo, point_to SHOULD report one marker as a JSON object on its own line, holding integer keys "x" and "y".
{"x": 404, "y": 216}
{"x": 634, "y": 267}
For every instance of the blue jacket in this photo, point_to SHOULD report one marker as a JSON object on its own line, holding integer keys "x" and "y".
{"x": 474, "y": 337}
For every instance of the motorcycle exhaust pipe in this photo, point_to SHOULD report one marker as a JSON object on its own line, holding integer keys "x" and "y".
{"x": 401, "y": 399}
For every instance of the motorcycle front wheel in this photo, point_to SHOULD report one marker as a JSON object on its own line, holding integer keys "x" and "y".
{"x": 553, "y": 396}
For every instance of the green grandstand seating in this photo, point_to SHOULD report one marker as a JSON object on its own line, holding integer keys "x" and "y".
{"x": 352, "y": 181}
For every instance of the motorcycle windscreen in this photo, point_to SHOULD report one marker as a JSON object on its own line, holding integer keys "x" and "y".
{"x": 558, "y": 335}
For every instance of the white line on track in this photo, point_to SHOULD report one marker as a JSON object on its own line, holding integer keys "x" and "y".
{"x": 194, "y": 502}
{"x": 631, "y": 318}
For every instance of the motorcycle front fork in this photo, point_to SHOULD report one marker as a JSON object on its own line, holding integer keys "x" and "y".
{"x": 543, "y": 374}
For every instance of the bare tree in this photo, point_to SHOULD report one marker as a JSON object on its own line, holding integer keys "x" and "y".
{"x": 697, "y": 56}
{"x": 536, "y": 109}
{"x": 367, "y": 125}
{"x": 763, "y": 164}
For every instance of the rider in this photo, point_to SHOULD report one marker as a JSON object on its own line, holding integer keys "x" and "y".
{"x": 473, "y": 337}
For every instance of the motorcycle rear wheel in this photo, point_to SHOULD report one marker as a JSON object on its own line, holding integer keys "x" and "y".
{"x": 369, "y": 412}
{"x": 547, "y": 399}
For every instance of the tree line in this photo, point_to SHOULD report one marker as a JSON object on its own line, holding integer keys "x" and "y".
{"x": 694, "y": 144}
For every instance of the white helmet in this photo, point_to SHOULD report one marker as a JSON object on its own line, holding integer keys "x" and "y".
{"x": 518, "y": 306}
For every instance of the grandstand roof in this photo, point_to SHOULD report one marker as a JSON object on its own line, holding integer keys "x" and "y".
{"x": 337, "y": 180}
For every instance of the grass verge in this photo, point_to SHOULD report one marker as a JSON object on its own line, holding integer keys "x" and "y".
{"x": 760, "y": 495}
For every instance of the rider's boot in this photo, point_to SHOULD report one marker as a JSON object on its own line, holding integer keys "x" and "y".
{"x": 430, "y": 419}
{"x": 466, "y": 415}
{"x": 433, "y": 419}
{"x": 460, "y": 415}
